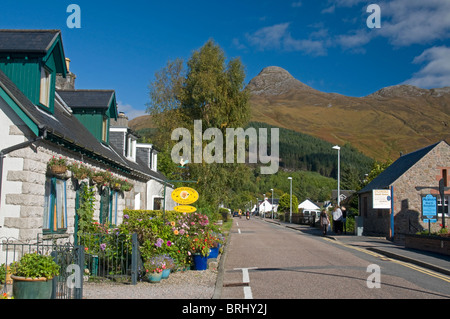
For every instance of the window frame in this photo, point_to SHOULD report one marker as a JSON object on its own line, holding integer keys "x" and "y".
{"x": 51, "y": 215}
{"x": 45, "y": 87}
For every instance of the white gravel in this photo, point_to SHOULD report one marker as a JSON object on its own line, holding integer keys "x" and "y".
{"x": 191, "y": 284}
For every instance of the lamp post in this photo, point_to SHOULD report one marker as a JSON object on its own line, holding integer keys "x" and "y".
{"x": 290, "y": 200}
{"x": 272, "y": 201}
{"x": 336, "y": 147}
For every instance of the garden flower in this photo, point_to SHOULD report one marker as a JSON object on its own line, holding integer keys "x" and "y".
{"x": 102, "y": 246}
{"x": 169, "y": 243}
{"x": 126, "y": 216}
{"x": 172, "y": 223}
{"x": 159, "y": 242}
{"x": 175, "y": 232}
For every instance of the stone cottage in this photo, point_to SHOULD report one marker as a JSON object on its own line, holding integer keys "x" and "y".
{"x": 43, "y": 117}
{"x": 412, "y": 177}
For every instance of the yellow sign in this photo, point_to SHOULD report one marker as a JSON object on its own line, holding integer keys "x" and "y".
{"x": 185, "y": 209}
{"x": 184, "y": 195}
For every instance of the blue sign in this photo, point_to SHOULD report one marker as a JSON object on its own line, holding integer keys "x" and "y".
{"x": 429, "y": 207}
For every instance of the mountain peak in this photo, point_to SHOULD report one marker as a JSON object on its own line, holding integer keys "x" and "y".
{"x": 274, "y": 80}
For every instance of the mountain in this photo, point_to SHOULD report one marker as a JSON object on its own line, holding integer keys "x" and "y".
{"x": 395, "y": 119}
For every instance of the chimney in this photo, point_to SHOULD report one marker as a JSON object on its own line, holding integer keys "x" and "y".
{"x": 67, "y": 83}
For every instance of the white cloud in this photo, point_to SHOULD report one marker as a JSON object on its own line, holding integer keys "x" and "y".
{"x": 436, "y": 72}
{"x": 278, "y": 37}
{"x": 129, "y": 110}
{"x": 407, "y": 22}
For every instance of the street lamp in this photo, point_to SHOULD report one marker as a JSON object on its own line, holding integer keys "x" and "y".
{"x": 336, "y": 147}
{"x": 272, "y": 201}
{"x": 290, "y": 200}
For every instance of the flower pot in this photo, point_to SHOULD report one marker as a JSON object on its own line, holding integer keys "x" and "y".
{"x": 58, "y": 169}
{"x": 200, "y": 262}
{"x": 154, "y": 277}
{"x": 165, "y": 273}
{"x": 98, "y": 179}
{"x": 32, "y": 288}
{"x": 213, "y": 252}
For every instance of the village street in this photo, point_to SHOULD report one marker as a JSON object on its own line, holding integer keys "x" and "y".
{"x": 267, "y": 261}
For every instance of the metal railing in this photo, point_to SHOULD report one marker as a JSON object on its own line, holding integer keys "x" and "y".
{"x": 97, "y": 257}
{"x": 110, "y": 257}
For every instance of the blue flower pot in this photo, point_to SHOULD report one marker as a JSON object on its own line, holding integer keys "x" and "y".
{"x": 213, "y": 252}
{"x": 165, "y": 273}
{"x": 154, "y": 277}
{"x": 201, "y": 262}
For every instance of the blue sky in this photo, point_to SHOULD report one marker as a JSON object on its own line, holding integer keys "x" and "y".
{"x": 325, "y": 44}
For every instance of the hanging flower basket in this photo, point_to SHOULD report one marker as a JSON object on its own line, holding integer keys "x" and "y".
{"x": 58, "y": 169}
{"x": 57, "y": 166}
{"x": 79, "y": 171}
{"x": 98, "y": 179}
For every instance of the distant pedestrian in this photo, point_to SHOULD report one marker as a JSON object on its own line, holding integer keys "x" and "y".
{"x": 337, "y": 220}
{"x": 324, "y": 221}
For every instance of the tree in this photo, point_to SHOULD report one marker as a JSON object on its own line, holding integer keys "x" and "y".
{"x": 284, "y": 204}
{"x": 210, "y": 90}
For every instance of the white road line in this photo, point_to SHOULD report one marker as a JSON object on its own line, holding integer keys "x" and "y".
{"x": 239, "y": 230}
{"x": 248, "y": 293}
{"x": 246, "y": 279}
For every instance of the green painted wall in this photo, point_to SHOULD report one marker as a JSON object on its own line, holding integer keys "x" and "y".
{"x": 94, "y": 123}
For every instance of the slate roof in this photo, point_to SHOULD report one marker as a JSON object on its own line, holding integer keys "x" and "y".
{"x": 87, "y": 98}
{"x": 27, "y": 41}
{"x": 63, "y": 125}
{"x": 397, "y": 169}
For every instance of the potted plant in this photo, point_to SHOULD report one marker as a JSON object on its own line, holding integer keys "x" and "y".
{"x": 116, "y": 183}
{"x": 169, "y": 265}
{"x": 33, "y": 276}
{"x": 126, "y": 186}
{"x": 154, "y": 267}
{"x": 57, "y": 165}
{"x": 79, "y": 170}
{"x": 200, "y": 247}
{"x": 98, "y": 177}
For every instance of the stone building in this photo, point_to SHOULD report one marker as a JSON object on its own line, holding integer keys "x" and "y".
{"x": 412, "y": 177}
{"x": 43, "y": 116}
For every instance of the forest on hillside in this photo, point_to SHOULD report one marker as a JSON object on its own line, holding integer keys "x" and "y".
{"x": 302, "y": 152}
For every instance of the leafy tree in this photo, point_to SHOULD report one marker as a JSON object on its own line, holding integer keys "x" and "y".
{"x": 210, "y": 90}
{"x": 284, "y": 204}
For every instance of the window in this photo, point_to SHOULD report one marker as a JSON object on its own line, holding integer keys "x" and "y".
{"x": 44, "y": 97}
{"x": 439, "y": 206}
{"x": 105, "y": 130}
{"x": 108, "y": 206}
{"x": 157, "y": 203}
{"x": 55, "y": 215}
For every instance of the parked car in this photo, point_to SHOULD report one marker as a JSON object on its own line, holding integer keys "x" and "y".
{"x": 310, "y": 216}
{"x": 235, "y": 214}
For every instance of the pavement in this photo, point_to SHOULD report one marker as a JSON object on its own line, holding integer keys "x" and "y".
{"x": 436, "y": 262}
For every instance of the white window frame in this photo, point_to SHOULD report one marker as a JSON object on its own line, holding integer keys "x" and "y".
{"x": 44, "y": 94}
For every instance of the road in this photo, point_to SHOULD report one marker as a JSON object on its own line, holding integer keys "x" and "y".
{"x": 267, "y": 261}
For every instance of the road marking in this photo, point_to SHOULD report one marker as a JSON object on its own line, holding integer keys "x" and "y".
{"x": 248, "y": 293}
{"x": 405, "y": 264}
{"x": 239, "y": 230}
{"x": 246, "y": 279}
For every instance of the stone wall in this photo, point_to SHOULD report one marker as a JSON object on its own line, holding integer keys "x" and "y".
{"x": 422, "y": 179}
{"x": 24, "y": 203}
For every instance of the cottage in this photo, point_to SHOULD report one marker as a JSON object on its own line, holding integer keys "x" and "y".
{"x": 411, "y": 177}
{"x": 43, "y": 117}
